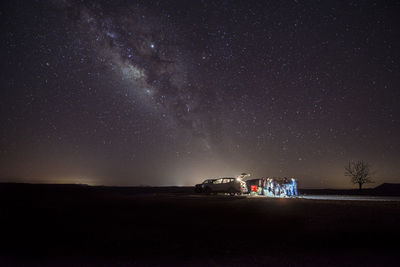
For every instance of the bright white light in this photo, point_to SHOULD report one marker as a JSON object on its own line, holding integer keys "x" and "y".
{"x": 152, "y": 46}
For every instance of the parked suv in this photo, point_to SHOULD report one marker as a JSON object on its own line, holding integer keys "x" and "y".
{"x": 222, "y": 185}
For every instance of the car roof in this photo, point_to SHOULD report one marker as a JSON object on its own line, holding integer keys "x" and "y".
{"x": 213, "y": 179}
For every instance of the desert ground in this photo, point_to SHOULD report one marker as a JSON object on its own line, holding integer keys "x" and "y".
{"x": 82, "y": 225}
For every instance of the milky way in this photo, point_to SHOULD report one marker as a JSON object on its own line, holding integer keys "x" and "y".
{"x": 146, "y": 54}
{"x": 172, "y": 92}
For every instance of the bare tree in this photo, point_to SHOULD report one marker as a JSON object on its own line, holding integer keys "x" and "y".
{"x": 359, "y": 172}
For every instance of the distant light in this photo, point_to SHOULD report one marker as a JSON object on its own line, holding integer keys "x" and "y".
{"x": 152, "y": 46}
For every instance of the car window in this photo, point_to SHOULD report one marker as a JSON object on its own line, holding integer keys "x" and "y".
{"x": 218, "y": 181}
{"x": 227, "y": 180}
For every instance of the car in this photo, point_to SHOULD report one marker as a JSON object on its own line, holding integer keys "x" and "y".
{"x": 200, "y": 188}
{"x": 229, "y": 185}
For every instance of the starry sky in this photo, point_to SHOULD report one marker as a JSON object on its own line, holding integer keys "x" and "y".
{"x": 174, "y": 92}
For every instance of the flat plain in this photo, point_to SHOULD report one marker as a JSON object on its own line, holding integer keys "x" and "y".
{"x": 75, "y": 225}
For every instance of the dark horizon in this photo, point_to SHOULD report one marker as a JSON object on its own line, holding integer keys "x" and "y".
{"x": 172, "y": 92}
{"x": 36, "y": 181}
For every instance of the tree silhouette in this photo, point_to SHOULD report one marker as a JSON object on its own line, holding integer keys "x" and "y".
{"x": 359, "y": 172}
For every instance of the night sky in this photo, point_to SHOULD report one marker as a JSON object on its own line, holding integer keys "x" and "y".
{"x": 174, "y": 92}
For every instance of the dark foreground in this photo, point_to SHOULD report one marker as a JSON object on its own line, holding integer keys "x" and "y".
{"x": 79, "y": 225}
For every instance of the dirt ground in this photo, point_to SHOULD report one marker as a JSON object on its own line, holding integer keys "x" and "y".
{"x": 78, "y": 225}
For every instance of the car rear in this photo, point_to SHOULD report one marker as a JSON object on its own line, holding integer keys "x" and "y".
{"x": 243, "y": 186}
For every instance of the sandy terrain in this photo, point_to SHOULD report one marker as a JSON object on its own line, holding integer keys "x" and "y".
{"x": 76, "y": 224}
{"x": 349, "y": 198}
